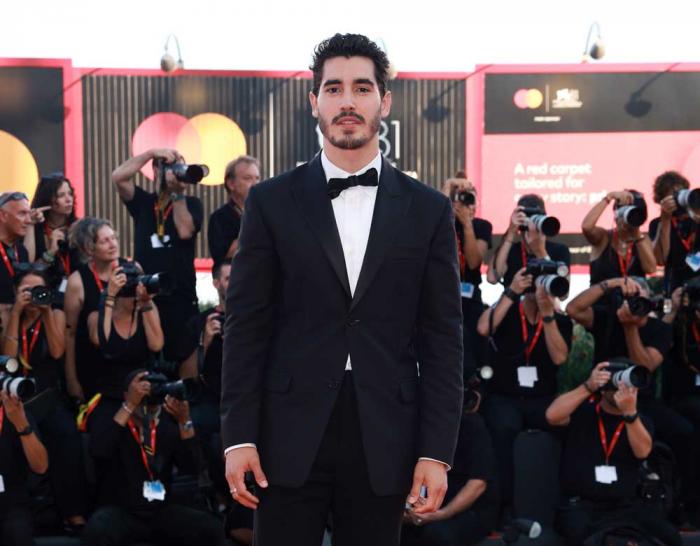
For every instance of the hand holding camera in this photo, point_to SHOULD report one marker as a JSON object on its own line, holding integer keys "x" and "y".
{"x": 14, "y": 409}
{"x": 139, "y": 388}
{"x": 621, "y": 198}
{"x": 626, "y": 399}
{"x": 58, "y": 236}
{"x": 179, "y": 409}
{"x": 668, "y": 207}
{"x": 117, "y": 281}
{"x": 600, "y": 376}
{"x": 544, "y": 301}
{"x": 522, "y": 280}
{"x": 212, "y": 328}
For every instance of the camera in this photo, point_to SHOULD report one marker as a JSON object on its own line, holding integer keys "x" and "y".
{"x": 635, "y": 214}
{"x": 12, "y": 382}
{"x": 639, "y": 305}
{"x": 626, "y": 373}
{"x": 158, "y": 283}
{"x": 189, "y": 174}
{"x": 551, "y": 275}
{"x": 464, "y": 197}
{"x": 164, "y": 367}
{"x": 182, "y": 389}
{"x": 41, "y": 295}
{"x": 687, "y": 199}
{"x": 547, "y": 225}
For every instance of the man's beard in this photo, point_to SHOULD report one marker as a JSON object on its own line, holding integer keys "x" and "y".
{"x": 350, "y": 142}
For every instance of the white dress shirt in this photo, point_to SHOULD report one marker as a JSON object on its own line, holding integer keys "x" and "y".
{"x": 353, "y": 210}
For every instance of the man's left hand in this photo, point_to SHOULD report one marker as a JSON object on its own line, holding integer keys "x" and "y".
{"x": 626, "y": 400}
{"x": 433, "y": 475}
{"x": 179, "y": 409}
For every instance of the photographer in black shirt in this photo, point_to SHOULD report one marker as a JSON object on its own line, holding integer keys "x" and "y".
{"x": 675, "y": 231}
{"x": 511, "y": 255}
{"x": 166, "y": 224}
{"x": 35, "y": 334}
{"x": 606, "y": 442}
{"x": 134, "y": 452}
{"x": 531, "y": 340}
{"x": 15, "y": 220}
{"x": 470, "y": 509}
{"x": 473, "y": 241}
{"x": 225, "y": 222}
{"x": 20, "y": 451}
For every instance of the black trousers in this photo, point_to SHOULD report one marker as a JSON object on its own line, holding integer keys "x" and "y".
{"x": 175, "y": 311}
{"x": 338, "y": 485}
{"x": 506, "y": 417}
{"x": 170, "y": 525}
{"x": 16, "y": 527}
{"x": 578, "y": 519}
{"x": 59, "y": 432}
{"x": 464, "y": 529}
{"x": 206, "y": 418}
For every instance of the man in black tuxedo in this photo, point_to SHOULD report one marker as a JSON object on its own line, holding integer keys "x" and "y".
{"x": 342, "y": 373}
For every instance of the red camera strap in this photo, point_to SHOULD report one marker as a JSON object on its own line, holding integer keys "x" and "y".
{"x": 2, "y": 417}
{"x": 687, "y": 242}
{"x": 143, "y": 446}
{"x": 27, "y": 349}
{"x": 529, "y": 347}
{"x": 608, "y": 450}
{"x": 6, "y": 260}
{"x": 460, "y": 252}
{"x": 98, "y": 281}
{"x": 161, "y": 215}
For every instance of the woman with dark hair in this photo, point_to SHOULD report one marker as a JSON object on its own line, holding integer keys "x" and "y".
{"x": 99, "y": 247}
{"x": 622, "y": 251}
{"x": 48, "y": 240}
{"x": 35, "y": 334}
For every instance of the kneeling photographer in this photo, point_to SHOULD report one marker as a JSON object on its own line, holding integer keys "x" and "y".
{"x": 470, "y": 509}
{"x": 607, "y": 440}
{"x": 20, "y": 451}
{"x": 530, "y": 340}
{"x": 35, "y": 335}
{"x": 135, "y": 450}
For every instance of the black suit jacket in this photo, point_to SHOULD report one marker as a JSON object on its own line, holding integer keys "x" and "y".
{"x": 291, "y": 322}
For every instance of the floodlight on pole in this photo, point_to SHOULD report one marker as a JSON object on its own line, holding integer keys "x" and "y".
{"x": 595, "y": 50}
{"x": 167, "y": 61}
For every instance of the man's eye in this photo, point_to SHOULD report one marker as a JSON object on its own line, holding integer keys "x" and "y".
{"x": 363, "y": 89}
{"x": 332, "y": 90}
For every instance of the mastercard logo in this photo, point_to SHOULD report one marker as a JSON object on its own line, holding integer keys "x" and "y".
{"x": 211, "y": 139}
{"x": 528, "y": 98}
{"x": 18, "y": 168}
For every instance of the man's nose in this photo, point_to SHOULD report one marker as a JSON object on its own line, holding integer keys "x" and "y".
{"x": 347, "y": 100}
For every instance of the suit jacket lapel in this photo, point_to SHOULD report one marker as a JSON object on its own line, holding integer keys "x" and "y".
{"x": 311, "y": 194}
{"x": 391, "y": 204}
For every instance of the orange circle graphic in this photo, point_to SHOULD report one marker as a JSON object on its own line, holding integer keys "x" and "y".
{"x": 18, "y": 168}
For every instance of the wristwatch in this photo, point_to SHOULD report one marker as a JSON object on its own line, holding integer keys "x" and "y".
{"x": 174, "y": 197}
{"x": 548, "y": 318}
{"x": 187, "y": 425}
{"x": 26, "y": 432}
{"x": 631, "y": 418}
{"x": 511, "y": 295}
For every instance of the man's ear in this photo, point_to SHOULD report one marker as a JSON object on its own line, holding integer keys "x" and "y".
{"x": 386, "y": 104}
{"x": 313, "y": 100}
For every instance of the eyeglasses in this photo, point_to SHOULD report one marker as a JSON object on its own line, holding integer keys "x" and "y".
{"x": 12, "y": 196}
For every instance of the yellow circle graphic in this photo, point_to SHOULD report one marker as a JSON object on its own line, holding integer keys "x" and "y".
{"x": 215, "y": 141}
{"x": 18, "y": 169}
{"x": 534, "y": 98}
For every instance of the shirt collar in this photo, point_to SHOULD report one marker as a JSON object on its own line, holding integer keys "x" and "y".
{"x": 333, "y": 171}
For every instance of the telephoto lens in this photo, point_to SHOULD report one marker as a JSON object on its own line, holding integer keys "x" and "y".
{"x": 546, "y": 225}
{"x": 21, "y": 387}
{"x": 688, "y": 199}
{"x": 631, "y": 215}
{"x": 625, "y": 373}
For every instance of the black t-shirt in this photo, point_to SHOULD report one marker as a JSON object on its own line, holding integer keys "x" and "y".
{"x": 14, "y": 467}
{"x": 608, "y": 265}
{"x": 677, "y": 271}
{"x": 67, "y": 260}
{"x": 680, "y": 378}
{"x": 176, "y": 256}
{"x": 583, "y": 451}
{"x": 610, "y": 338}
{"x": 16, "y": 253}
{"x": 474, "y": 460}
{"x": 224, "y": 226}
{"x": 213, "y": 358}
{"x": 46, "y": 371}
{"x": 119, "y": 466}
{"x": 556, "y": 252}
{"x": 510, "y": 355}
{"x": 482, "y": 231}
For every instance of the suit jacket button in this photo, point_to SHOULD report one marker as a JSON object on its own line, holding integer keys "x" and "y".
{"x": 353, "y": 322}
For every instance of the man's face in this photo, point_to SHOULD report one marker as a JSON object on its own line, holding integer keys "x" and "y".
{"x": 245, "y": 177}
{"x": 221, "y": 284}
{"x": 349, "y": 107}
{"x": 16, "y": 216}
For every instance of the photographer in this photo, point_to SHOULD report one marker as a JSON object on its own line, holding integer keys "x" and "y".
{"x": 166, "y": 224}
{"x": 99, "y": 247}
{"x": 15, "y": 220}
{"x": 20, "y": 451}
{"x": 675, "y": 232}
{"x": 622, "y": 251}
{"x": 35, "y": 334}
{"x": 135, "y": 449}
{"x": 473, "y": 241}
{"x": 470, "y": 509}
{"x": 511, "y": 256}
{"x": 225, "y": 222}
{"x": 607, "y": 439}
{"x": 126, "y": 329}
{"x": 531, "y": 340}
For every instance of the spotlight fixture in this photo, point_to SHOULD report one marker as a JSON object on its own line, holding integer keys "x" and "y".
{"x": 167, "y": 61}
{"x": 595, "y": 50}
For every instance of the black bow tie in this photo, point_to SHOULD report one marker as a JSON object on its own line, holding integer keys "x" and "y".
{"x": 337, "y": 185}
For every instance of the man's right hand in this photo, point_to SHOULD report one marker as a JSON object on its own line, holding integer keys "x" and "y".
{"x": 139, "y": 388}
{"x": 212, "y": 328}
{"x": 521, "y": 281}
{"x": 668, "y": 206}
{"x": 168, "y": 155}
{"x": 517, "y": 219}
{"x": 599, "y": 377}
{"x": 238, "y": 462}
